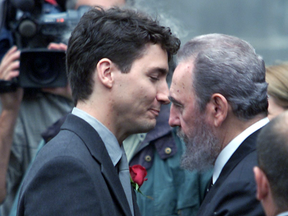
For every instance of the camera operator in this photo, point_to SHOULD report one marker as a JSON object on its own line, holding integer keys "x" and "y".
{"x": 23, "y": 117}
{"x": 10, "y": 107}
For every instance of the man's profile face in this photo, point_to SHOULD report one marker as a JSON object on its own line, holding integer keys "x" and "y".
{"x": 183, "y": 99}
{"x": 202, "y": 144}
{"x": 141, "y": 91}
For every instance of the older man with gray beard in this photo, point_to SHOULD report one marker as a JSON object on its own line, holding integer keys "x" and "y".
{"x": 219, "y": 102}
{"x": 199, "y": 157}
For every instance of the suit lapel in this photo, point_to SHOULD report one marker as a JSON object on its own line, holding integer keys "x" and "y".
{"x": 115, "y": 185}
{"x": 248, "y": 145}
{"x": 97, "y": 149}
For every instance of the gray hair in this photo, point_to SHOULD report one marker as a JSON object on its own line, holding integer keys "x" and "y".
{"x": 227, "y": 65}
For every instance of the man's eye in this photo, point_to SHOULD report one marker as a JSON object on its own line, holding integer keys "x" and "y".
{"x": 177, "y": 105}
{"x": 154, "y": 78}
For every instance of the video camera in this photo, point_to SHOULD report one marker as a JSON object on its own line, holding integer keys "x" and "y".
{"x": 34, "y": 24}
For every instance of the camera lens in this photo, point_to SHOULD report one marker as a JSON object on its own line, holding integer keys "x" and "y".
{"x": 42, "y": 68}
{"x": 42, "y": 72}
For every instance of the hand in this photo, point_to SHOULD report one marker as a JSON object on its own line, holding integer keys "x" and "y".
{"x": 62, "y": 91}
{"x": 9, "y": 69}
{"x": 10, "y": 101}
{"x": 57, "y": 46}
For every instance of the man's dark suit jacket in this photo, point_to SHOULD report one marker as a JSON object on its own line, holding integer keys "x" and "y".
{"x": 234, "y": 193}
{"x": 74, "y": 175}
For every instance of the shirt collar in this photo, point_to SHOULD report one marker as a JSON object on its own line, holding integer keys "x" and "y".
{"x": 283, "y": 213}
{"x": 112, "y": 146}
{"x": 228, "y": 151}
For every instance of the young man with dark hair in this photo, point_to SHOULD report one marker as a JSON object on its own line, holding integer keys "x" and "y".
{"x": 117, "y": 63}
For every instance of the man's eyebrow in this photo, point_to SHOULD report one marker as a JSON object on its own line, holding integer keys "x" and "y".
{"x": 160, "y": 70}
{"x": 174, "y": 101}
{"x": 163, "y": 71}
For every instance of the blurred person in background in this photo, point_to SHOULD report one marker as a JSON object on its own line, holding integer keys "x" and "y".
{"x": 271, "y": 174}
{"x": 277, "y": 79}
{"x": 24, "y": 116}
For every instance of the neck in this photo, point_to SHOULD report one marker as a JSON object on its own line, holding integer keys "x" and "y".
{"x": 233, "y": 126}
{"x": 269, "y": 206}
{"x": 103, "y": 112}
{"x": 278, "y": 211}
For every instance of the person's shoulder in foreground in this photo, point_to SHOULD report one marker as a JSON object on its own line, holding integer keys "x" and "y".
{"x": 219, "y": 114}
{"x": 117, "y": 60}
{"x": 271, "y": 174}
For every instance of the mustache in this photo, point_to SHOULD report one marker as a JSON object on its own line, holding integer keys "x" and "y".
{"x": 182, "y": 135}
{"x": 202, "y": 146}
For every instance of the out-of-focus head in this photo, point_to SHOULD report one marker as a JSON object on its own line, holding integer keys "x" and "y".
{"x": 219, "y": 66}
{"x": 277, "y": 79}
{"x": 272, "y": 172}
{"x": 120, "y": 35}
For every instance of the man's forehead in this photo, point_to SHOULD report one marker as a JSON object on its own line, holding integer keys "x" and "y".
{"x": 181, "y": 80}
{"x": 156, "y": 58}
{"x": 182, "y": 74}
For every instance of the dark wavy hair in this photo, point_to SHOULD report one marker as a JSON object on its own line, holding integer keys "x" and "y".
{"x": 119, "y": 34}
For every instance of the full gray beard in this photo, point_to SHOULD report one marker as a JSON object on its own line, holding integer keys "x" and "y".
{"x": 202, "y": 147}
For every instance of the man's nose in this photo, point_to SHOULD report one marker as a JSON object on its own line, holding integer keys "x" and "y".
{"x": 163, "y": 92}
{"x": 173, "y": 118}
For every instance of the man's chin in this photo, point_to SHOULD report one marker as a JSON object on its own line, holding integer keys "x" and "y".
{"x": 202, "y": 149}
{"x": 146, "y": 126}
{"x": 199, "y": 164}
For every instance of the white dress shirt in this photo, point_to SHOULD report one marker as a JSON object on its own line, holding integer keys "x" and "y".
{"x": 229, "y": 150}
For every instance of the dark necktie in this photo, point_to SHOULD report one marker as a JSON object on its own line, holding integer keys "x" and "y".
{"x": 124, "y": 177}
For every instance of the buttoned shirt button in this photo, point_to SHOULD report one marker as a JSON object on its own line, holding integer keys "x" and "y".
{"x": 168, "y": 150}
{"x": 148, "y": 158}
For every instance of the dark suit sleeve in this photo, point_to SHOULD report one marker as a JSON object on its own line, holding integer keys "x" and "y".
{"x": 239, "y": 198}
{"x": 62, "y": 187}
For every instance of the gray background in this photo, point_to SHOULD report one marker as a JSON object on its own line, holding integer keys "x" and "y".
{"x": 263, "y": 23}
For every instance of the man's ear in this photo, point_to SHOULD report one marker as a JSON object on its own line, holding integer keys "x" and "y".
{"x": 105, "y": 72}
{"x": 217, "y": 109}
{"x": 261, "y": 182}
